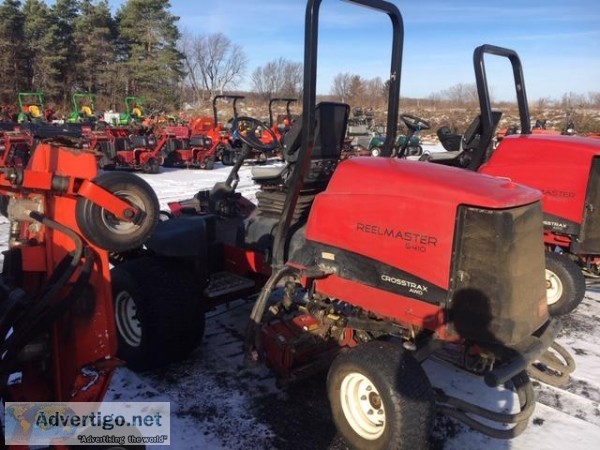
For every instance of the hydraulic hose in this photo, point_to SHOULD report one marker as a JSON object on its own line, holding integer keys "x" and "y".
{"x": 251, "y": 343}
{"x": 55, "y": 283}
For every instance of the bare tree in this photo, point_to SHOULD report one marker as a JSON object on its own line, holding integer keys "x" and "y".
{"x": 279, "y": 77}
{"x": 293, "y": 79}
{"x": 341, "y": 86}
{"x": 461, "y": 94}
{"x": 374, "y": 92}
{"x": 213, "y": 63}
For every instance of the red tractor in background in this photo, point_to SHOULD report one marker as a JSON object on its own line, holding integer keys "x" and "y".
{"x": 279, "y": 125}
{"x": 220, "y": 135}
{"x": 192, "y": 151}
{"x": 117, "y": 148}
{"x": 283, "y": 122}
{"x": 566, "y": 169}
{"x": 353, "y": 274}
{"x": 15, "y": 148}
{"x": 57, "y": 333}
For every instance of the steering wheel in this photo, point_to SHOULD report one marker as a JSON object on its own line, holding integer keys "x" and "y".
{"x": 415, "y": 123}
{"x": 249, "y": 131}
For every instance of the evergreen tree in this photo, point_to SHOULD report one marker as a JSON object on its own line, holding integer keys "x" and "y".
{"x": 148, "y": 52}
{"x": 12, "y": 49}
{"x": 94, "y": 33}
{"x": 63, "y": 15}
{"x": 39, "y": 42}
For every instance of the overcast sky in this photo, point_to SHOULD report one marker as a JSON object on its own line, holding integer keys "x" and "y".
{"x": 558, "y": 41}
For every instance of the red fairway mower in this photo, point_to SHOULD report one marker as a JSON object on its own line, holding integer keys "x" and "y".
{"x": 565, "y": 168}
{"x": 118, "y": 149}
{"x": 354, "y": 275}
{"x": 194, "y": 151}
{"x": 57, "y": 333}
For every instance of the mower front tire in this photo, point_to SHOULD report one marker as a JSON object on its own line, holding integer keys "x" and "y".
{"x": 381, "y": 398}
{"x": 565, "y": 284}
{"x": 376, "y": 151}
{"x": 159, "y": 315}
{"x": 103, "y": 229}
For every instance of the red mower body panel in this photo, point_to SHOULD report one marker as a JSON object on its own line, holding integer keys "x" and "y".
{"x": 559, "y": 166}
{"x": 404, "y": 223}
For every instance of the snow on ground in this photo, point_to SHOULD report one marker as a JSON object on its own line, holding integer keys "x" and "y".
{"x": 219, "y": 403}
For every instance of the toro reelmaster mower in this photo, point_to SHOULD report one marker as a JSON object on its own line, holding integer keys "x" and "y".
{"x": 566, "y": 169}
{"x": 354, "y": 275}
{"x": 57, "y": 334}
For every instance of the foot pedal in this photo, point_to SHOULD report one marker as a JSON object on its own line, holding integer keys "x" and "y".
{"x": 223, "y": 283}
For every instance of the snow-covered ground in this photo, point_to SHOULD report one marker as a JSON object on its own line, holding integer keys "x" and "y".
{"x": 219, "y": 403}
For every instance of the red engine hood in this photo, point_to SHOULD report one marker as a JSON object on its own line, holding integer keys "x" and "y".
{"x": 559, "y": 166}
{"x": 403, "y": 213}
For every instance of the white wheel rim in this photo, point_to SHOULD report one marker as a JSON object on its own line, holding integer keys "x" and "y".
{"x": 554, "y": 287}
{"x": 128, "y": 323}
{"x": 375, "y": 152}
{"x": 362, "y": 406}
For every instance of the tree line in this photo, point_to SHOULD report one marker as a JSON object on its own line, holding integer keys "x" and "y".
{"x": 81, "y": 46}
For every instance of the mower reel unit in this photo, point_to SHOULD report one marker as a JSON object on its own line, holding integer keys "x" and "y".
{"x": 361, "y": 284}
{"x": 56, "y": 320}
{"x": 571, "y": 204}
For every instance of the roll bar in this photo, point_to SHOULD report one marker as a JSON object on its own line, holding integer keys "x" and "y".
{"x": 309, "y": 104}
{"x": 235, "y": 98}
{"x": 483, "y": 91}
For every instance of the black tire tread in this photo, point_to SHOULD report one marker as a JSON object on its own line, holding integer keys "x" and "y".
{"x": 409, "y": 395}
{"x": 573, "y": 283}
{"x": 89, "y": 215}
{"x": 169, "y": 306}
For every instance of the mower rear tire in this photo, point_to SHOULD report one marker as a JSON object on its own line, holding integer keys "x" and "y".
{"x": 228, "y": 157}
{"x": 207, "y": 164}
{"x": 105, "y": 163}
{"x": 565, "y": 284}
{"x": 103, "y": 229}
{"x": 4, "y": 199}
{"x": 151, "y": 166}
{"x": 375, "y": 151}
{"x": 381, "y": 398}
{"x": 158, "y": 311}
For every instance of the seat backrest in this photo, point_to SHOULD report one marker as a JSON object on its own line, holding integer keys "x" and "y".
{"x": 139, "y": 141}
{"x": 330, "y": 131}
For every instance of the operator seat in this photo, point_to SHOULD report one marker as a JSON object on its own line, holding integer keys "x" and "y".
{"x": 460, "y": 149}
{"x": 330, "y": 130}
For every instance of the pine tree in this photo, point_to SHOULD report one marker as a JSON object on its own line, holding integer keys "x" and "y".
{"x": 12, "y": 49}
{"x": 39, "y": 41}
{"x": 148, "y": 36}
{"x": 95, "y": 34}
{"x": 63, "y": 15}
